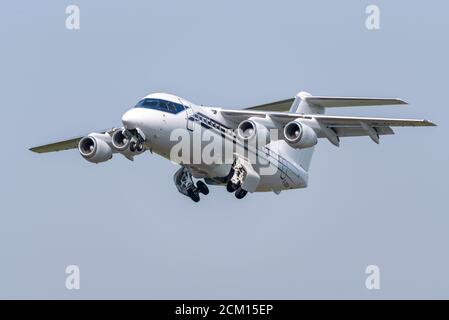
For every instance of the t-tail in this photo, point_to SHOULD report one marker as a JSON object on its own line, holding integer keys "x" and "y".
{"x": 307, "y": 104}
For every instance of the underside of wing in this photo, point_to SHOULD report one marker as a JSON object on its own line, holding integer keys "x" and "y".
{"x": 57, "y": 146}
{"x": 61, "y": 145}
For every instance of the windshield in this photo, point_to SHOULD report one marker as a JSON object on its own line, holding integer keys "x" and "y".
{"x": 161, "y": 105}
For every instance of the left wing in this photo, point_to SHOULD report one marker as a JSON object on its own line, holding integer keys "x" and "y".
{"x": 328, "y": 102}
{"x": 333, "y": 126}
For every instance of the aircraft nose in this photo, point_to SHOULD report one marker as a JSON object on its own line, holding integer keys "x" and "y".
{"x": 130, "y": 119}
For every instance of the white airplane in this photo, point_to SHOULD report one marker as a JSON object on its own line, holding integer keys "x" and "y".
{"x": 258, "y": 161}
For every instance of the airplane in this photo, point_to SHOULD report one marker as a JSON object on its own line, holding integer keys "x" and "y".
{"x": 268, "y": 147}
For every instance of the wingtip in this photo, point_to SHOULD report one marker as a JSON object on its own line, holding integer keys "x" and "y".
{"x": 34, "y": 149}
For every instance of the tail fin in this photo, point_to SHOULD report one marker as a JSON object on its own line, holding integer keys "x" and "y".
{"x": 302, "y": 105}
{"x": 305, "y": 103}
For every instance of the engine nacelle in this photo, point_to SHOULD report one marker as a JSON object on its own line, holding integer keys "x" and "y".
{"x": 95, "y": 147}
{"x": 299, "y": 136}
{"x": 251, "y": 131}
{"x": 120, "y": 141}
{"x": 127, "y": 144}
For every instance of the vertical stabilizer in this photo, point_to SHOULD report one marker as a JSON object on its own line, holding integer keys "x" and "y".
{"x": 302, "y": 106}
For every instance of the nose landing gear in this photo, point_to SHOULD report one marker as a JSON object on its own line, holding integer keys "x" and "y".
{"x": 136, "y": 146}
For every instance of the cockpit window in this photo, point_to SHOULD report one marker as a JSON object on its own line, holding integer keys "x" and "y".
{"x": 171, "y": 107}
{"x": 161, "y": 105}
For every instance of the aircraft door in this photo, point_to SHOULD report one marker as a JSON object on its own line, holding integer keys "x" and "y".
{"x": 189, "y": 115}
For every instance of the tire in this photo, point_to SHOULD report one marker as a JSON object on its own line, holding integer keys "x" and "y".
{"x": 139, "y": 147}
{"x": 202, "y": 187}
{"x": 193, "y": 195}
{"x": 132, "y": 146}
{"x": 240, "y": 193}
{"x": 230, "y": 187}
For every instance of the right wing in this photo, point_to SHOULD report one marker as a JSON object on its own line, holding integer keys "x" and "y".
{"x": 57, "y": 146}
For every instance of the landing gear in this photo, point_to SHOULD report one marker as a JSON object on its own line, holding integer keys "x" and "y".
{"x": 193, "y": 194}
{"x": 231, "y": 187}
{"x": 236, "y": 178}
{"x": 184, "y": 182}
{"x": 136, "y": 146}
{"x": 240, "y": 193}
{"x": 202, "y": 187}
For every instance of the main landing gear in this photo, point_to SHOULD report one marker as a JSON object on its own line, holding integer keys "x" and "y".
{"x": 236, "y": 177}
{"x": 186, "y": 185}
{"x": 235, "y": 180}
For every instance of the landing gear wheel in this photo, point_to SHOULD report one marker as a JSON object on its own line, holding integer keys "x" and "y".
{"x": 193, "y": 195}
{"x": 139, "y": 147}
{"x": 133, "y": 146}
{"x": 202, "y": 187}
{"x": 240, "y": 193}
{"x": 231, "y": 187}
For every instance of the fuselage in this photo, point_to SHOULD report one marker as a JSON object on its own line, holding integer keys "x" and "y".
{"x": 165, "y": 119}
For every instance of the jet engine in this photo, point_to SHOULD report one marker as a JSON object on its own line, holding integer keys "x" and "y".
{"x": 251, "y": 131}
{"x": 299, "y": 136}
{"x": 96, "y": 147}
{"x": 126, "y": 142}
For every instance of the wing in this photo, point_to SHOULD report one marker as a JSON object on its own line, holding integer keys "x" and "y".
{"x": 57, "y": 146}
{"x": 332, "y": 127}
{"x": 328, "y": 102}
{"x": 62, "y": 144}
{"x": 337, "y": 102}
{"x": 362, "y": 126}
